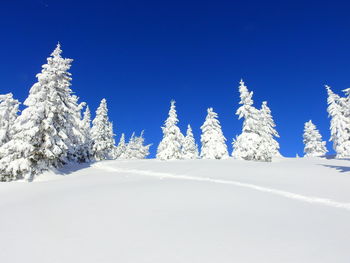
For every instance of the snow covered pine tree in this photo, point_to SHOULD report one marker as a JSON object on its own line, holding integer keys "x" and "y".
{"x": 212, "y": 139}
{"x": 143, "y": 150}
{"x": 86, "y": 146}
{"x": 171, "y": 145}
{"x": 135, "y": 148}
{"x": 45, "y": 133}
{"x": 78, "y": 152}
{"x": 8, "y": 114}
{"x": 314, "y": 146}
{"x": 246, "y": 145}
{"x": 268, "y": 134}
{"x": 121, "y": 148}
{"x": 103, "y": 144}
{"x": 338, "y": 110}
{"x": 189, "y": 147}
{"x": 256, "y": 142}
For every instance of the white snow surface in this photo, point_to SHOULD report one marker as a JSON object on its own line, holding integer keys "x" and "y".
{"x": 290, "y": 210}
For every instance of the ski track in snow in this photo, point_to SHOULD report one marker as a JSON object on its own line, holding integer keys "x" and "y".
{"x": 286, "y": 194}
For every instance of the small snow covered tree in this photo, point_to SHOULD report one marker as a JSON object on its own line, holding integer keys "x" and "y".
{"x": 268, "y": 133}
{"x": 8, "y": 114}
{"x": 171, "y": 144}
{"x": 212, "y": 139}
{"x": 131, "y": 149}
{"x": 314, "y": 146}
{"x": 121, "y": 148}
{"x": 143, "y": 150}
{"x": 46, "y": 132}
{"x": 103, "y": 146}
{"x": 85, "y": 149}
{"x": 338, "y": 110}
{"x": 135, "y": 148}
{"x": 189, "y": 147}
{"x": 246, "y": 145}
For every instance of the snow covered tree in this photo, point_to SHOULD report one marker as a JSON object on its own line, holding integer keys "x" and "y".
{"x": 257, "y": 140}
{"x": 170, "y": 146}
{"x": 135, "y": 148}
{"x": 78, "y": 151}
{"x": 121, "y": 148}
{"x": 268, "y": 132}
{"x": 189, "y": 147}
{"x": 143, "y": 151}
{"x": 131, "y": 149}
{"x": 8, "y": 114}
{"x": 86, "y": 123}
{"x": 314, "y": 146}
{"x": 103, "y": 146}
{"x": 85, "y": 149}
{"x": 212, "y": 139}
{"x": 338, "y": 110}
{"x": 46, "y": 132}
{"x": 246, "y": 145}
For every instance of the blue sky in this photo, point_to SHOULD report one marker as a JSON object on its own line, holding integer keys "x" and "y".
{"x": 141, "y": 54}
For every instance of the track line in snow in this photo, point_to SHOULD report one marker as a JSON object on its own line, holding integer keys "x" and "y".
{"x": 286, "y": 194}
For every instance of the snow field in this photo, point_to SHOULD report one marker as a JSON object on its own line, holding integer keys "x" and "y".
{"x": 179, "y": 211}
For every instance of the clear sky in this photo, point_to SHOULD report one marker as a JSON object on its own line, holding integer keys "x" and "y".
{"x": 141, "y": 54}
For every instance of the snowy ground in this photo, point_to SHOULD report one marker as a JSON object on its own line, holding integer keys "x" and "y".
{"x": 291, "y": 210}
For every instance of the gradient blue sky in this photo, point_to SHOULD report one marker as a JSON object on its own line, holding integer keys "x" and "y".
{"x": 141, "y": 54}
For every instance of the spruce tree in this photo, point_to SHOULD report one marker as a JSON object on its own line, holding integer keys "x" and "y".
{"x": 189, "y": 148}
{"x": 268, "y": 133}
{"x": 8, "y": 114}
{"x": 171, "y": 144}
{"x": 46, "y": 132}
{"x": 340, "y": 123}
{"x": 103, "y": 146}
{"x": 246, "y": 145}
{"x": 314, "y": 146}
{"x": 212, "y": 139}
{"x": 86, "y": 145}
{"x": 143, "y": 150}
{"x": 135, "y": 148}
{"x": 77, "y": 151}
{"x": 121, "y": 148}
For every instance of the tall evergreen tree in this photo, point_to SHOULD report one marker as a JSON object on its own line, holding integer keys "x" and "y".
{"x": 314, "y": 146}
{"x": 103, "y": 146}
{"x": 212, "y": 139}
{"x": 46, "y": 131}
{"x": 8, "y": 114}
{"x": 170, "y": 146}
{"x": 189, "y": 148}
{"x": 340, "y": 123}
{"x": 268, "y": 132}
{"x": 246, "y": 145}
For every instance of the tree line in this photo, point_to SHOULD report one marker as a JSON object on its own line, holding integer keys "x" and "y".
{"x": 52, "y": 130}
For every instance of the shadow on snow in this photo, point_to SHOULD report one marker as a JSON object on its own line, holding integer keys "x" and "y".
{"x": 342, "y": 169}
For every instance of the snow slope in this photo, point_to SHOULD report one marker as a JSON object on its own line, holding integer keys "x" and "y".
{"x": 291, "y": 210}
